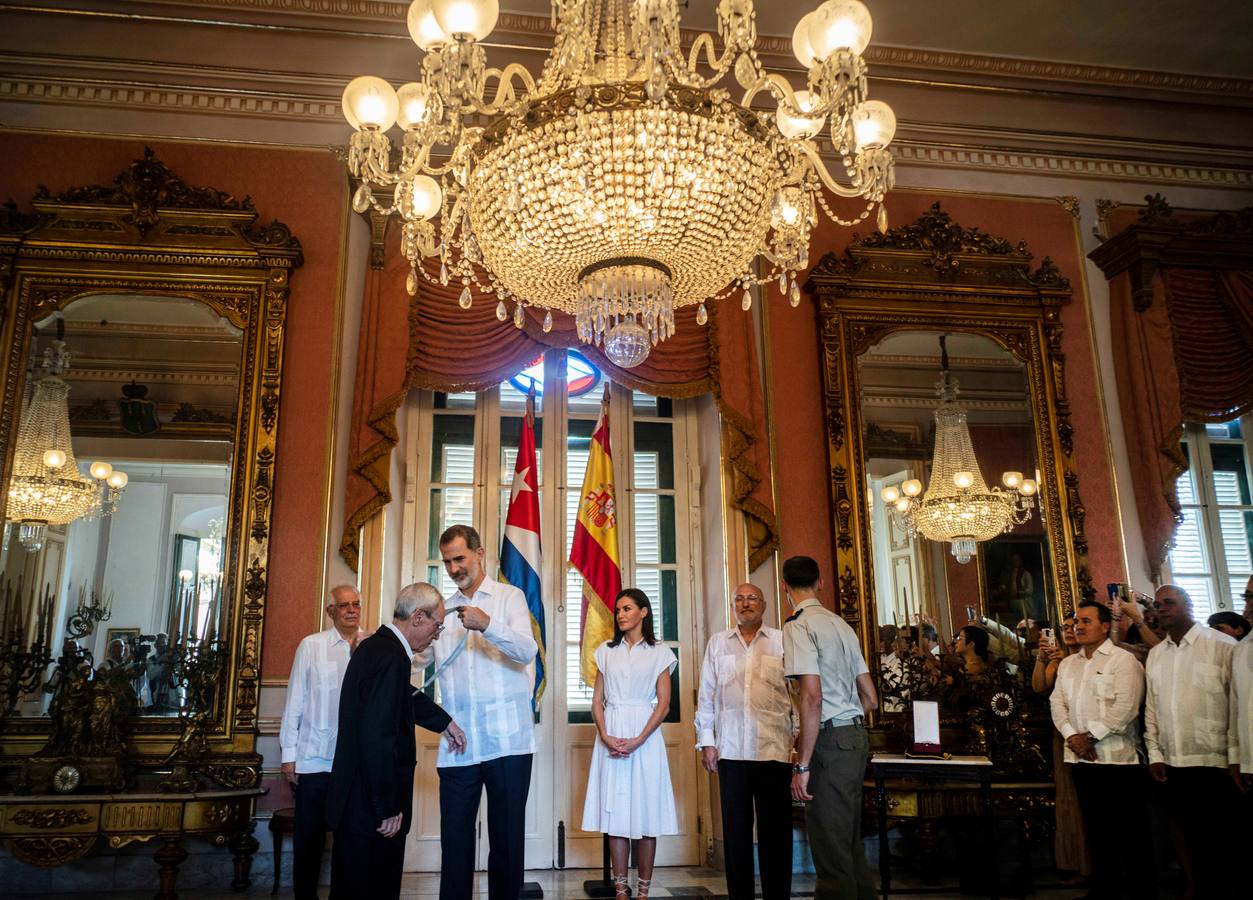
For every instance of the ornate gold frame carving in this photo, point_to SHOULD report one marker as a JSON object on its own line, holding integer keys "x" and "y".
{"x": 933, "y": 274}
{"x": 152, "y": 233}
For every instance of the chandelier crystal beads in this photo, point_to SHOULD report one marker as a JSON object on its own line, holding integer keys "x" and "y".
{"x": 622, "y": 183}
{"x": 958, "y": 506}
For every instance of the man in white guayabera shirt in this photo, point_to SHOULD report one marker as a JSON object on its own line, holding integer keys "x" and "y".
{"x": 1096, "y": 707}
{"x": 1242, "y": 711}
{"x": 487, "y": 689}
{"x": 1191, "y": 740}
{"x": 309, "y": 729}
{"x": 744, "y": 733}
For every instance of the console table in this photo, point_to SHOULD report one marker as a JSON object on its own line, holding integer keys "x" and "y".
{"x": 956, "y": 768}
{"x": 50, "y": 830}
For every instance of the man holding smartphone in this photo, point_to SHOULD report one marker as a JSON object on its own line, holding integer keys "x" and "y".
{"x": 1095, "y": 706}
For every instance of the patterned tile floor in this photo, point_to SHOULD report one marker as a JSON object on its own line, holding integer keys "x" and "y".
{"x": 692, "y": 881}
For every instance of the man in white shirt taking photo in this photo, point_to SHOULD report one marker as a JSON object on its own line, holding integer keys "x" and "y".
{"x": 1096, "y": 707}
{"x": 487, "y": 689}
{"x": 309, "y": 729}
{"x": 744, "y": 733}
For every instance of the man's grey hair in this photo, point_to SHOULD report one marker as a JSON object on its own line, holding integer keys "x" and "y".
{"x": 340, "y": 589}
{"x": 414, "y": 597}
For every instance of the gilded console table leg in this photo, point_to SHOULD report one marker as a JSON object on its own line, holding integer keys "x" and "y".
{"x": 170, "y": 856}
{"x": 243, "y": 845}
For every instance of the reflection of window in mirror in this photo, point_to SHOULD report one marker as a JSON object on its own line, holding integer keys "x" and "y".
{"x": 152, "y": 386}
{"x": 898, "y": 380}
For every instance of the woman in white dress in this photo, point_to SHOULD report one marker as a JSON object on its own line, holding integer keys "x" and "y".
{"x": 629, "y": 796}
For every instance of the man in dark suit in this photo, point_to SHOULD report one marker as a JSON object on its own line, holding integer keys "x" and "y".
{"x": 371, "y": 796}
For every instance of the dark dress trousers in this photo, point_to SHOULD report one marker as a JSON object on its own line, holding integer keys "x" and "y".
{"x": 372, "y": 776}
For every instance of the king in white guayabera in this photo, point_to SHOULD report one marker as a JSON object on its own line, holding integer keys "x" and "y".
{"x": 621, "y": 182}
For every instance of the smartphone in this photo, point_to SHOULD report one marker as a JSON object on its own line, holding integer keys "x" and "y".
{"x": 970, "y": 613}
{"x": 1046, "y": 638}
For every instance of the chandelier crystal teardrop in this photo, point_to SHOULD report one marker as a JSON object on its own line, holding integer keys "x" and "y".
{"x": 958, "y": 506}
{"x": 621, "y": 183}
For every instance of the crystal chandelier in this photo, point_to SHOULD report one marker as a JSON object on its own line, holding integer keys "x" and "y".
{"x": 46, "y": 487}
{"x": 958, "y": 506}
{"x": 621, "y": 183}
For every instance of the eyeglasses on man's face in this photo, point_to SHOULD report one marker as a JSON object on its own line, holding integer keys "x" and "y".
{"x": 352, "y": 604}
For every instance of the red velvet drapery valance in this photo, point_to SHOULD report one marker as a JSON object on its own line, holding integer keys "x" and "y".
{"x": 429, "y": 342}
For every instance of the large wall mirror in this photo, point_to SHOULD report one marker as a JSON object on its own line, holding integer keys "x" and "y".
{"x": 143, "y": 327}
{"x": 150, "y": 387}
{"x": 1009, "y": 577}
{"x": 903, "y": 314}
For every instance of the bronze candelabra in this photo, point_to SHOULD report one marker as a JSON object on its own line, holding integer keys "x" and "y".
{"x": 25, "y": 654}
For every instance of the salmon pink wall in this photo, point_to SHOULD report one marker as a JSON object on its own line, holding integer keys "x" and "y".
{"x": 801, "y": 468}
{"x": 307, "y": 190}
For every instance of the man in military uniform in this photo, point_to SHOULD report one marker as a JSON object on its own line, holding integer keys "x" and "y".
{"x": 834, "y": 692}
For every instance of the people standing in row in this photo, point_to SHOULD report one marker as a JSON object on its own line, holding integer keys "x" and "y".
{"x": 834, "y": 694}
{"x": 309, "y": 728}
{"x": 487, "y": 688}
{"x": 629, "y": 792}
{"x": 744, "y": 733}
{"x": 370, "y": 802}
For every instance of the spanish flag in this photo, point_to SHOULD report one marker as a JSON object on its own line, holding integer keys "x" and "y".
{"x": 594, "y": 550}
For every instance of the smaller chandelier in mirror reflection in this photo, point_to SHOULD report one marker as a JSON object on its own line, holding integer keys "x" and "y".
{"x": 46, "y": 487}
{"x": 958, "y": 506}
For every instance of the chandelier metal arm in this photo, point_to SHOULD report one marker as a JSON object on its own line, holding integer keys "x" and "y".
{"x": 781, "y": 90}
{"x": 506, "y": 92}
{"x": 719, "y": 64}
{"x": 811, "y": 153}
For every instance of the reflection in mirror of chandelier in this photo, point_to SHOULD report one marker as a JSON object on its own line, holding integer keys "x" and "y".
{"x": 621, "y": 184}
{"x": 46, "y": 486}
{"x": 883, "y": 305}
{"x": 173, "y": 301}
{"x": 958, "y": 506}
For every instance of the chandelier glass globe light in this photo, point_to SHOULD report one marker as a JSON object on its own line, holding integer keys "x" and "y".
{"x": 958, "y": 506}
{"x": 46, "y": 487}
{"x": 622, "y": 182}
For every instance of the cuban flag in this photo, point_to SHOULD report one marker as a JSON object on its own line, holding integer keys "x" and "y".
{"x": 520, "y": 550}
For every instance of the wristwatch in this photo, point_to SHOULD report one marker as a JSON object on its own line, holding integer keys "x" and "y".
{"x": 799, "y": 769}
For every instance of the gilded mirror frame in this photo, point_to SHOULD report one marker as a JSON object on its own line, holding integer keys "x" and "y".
{"x": 934, "y": 275}
{"x": 152, "y": 233}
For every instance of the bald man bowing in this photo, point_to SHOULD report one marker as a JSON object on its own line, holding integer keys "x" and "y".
{"x": 371, "y": 798}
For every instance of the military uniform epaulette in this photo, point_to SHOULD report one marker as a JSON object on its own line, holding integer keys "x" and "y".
{"x": 794, "y": 616}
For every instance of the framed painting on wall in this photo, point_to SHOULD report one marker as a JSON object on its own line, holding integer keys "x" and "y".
{"x": 1013, "y": 579}
{"x": 124, "y": 634}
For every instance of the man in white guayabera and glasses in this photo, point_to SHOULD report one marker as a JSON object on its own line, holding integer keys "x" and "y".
{"x": 309, "y": 729}
{"x": 744, "y": 733}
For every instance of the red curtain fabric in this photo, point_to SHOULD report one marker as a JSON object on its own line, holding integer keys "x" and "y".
{"x": 1148, "y": 391}
{"x": 1184, "y": 359}
{"x": 430, "y": 342}
{"x": 1211, "y": 320}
